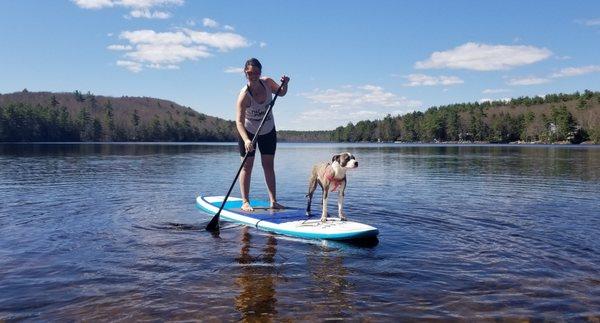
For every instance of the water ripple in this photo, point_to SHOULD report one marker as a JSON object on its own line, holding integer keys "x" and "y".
{"x": 110, "y": 232}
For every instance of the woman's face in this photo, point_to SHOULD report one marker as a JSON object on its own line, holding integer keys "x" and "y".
{"x": 252, "y": 73}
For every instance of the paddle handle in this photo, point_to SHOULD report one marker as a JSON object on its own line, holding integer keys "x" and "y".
{"x": 214, "y": 222}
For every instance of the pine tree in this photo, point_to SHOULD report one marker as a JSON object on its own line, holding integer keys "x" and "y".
{"x": 54, "y": 102}
{"x": 109, "y": 121}
{"x": 78, "y": 96}
{"x": 135, "y": 120}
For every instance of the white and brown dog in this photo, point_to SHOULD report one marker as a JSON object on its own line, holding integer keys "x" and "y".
{"x": 331, "y": 176}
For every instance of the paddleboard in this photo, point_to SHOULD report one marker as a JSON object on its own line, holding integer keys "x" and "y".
{"x": 289, "y": 221}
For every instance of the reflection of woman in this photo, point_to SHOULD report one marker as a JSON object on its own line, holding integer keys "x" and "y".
{"x": 257, "y": 296}
{"x": 252, "y": 104}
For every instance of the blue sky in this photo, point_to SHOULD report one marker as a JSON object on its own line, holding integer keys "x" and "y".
{"x": 348, "y": 60}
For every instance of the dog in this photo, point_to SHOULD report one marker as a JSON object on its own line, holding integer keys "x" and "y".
{"x": 331, "y": 176}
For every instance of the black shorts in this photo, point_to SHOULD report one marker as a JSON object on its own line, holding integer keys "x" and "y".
{"x": 266, "y": 143}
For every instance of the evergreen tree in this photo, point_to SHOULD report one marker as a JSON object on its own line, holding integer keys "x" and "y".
{"x": 452, "y": 125}
{"x": 96, "y": 130}
{"x": 83, "y": 120}
{"x": 388, "y": 133}
{"x": 78, "y": 96}
{"x": 3, "y": 126}
{"x": 109, "y": 121}
{"x": 135, "y": 120}
{"x": 563, "y": 120}
{"x": 477, "y": 127}
{"x": 54, "y": 102}
{"x": 156, "y": 133}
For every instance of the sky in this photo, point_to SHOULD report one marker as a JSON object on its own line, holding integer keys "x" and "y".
{"x": 347, "y": 60}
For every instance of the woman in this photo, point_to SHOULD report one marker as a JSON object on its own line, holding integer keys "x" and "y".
{"x": 252, "y": 105}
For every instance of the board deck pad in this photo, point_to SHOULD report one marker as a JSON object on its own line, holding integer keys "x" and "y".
{"x": 288, "y": 221}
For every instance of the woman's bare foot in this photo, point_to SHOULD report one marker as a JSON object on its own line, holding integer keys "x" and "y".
{"x": 246, "y": 207}
{"x": 275, "y": 205}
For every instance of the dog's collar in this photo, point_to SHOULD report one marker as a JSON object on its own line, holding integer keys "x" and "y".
{"x": 331, "y": 177}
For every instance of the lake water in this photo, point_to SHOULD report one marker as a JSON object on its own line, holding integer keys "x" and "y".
{"x": 111, "y": 232}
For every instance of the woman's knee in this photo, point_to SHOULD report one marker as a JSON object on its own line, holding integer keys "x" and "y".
{"x": 248, "y": 164}
{"x": 268, "y": 161}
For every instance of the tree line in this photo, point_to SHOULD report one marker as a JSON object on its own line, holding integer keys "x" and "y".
{"x": 560, "y": 117}
{"x": 573, "y": 118}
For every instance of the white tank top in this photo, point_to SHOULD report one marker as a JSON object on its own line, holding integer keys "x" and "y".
{"x": 256, "y": 111}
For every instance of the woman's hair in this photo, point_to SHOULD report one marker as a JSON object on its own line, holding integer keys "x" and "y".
{"x": 253, "y": 62}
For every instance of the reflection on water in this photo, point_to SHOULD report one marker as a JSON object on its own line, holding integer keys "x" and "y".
{"x": 329, "y": 275}
{"x": 256, "y": 282}
{"x": 110, "y": 232}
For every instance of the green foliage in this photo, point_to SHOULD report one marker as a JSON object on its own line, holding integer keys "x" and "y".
{"x": 574, "y": 118}
{"x": 562, "y": 124}
{"x": 25, "y": 123}
{"x": 78, "y": 96}
{"x": 109, "y": 121}
{"x": 506, "y": 129}
{"x": 478, "y": 128}
{"x": 479, "y": 122}
{"x": 594, "y": 134}
{"x": 582, "y": 104}
{"x": 54, "y": 102}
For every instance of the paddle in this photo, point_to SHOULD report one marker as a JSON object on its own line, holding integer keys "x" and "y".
{"x": 214, "y": 222}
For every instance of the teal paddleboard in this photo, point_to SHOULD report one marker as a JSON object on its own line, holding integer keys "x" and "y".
{"x": 290, "y": 221}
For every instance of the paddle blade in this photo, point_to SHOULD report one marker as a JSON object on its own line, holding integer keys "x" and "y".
{"x": 213, "y": 225}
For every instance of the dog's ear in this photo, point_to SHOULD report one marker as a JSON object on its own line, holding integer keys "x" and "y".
{"x": 336, "y": 158}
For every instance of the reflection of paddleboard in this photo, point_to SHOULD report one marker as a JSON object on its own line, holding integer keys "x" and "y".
{"x": 289, "y": 221}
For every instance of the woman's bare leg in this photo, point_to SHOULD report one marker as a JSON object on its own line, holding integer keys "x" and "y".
{"x": 245, "y": 177}
{"x": 268, "y": 164}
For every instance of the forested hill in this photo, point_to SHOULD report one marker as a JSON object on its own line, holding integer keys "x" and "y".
{"x": 45, "y": 116}
{"x": 567, "y": 118}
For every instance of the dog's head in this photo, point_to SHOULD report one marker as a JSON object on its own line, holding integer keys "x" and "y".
{"x": 345, "y": 160}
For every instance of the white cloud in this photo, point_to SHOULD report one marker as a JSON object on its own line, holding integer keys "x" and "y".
{"x": 223, "y": 41}
{"x": 145, "y": 13}
{"x": 426, "y": 80}
{"x": 333, "y": 107}
{"x": 262, "y": 44}
{"x": 238, "y": 70}
{"x": 165, "y": 50}
{"x": 167, "y": 54}
{"x": 589, "y": 22}
{"x": 138, "y": 8}
{"x": 119, "y": 47}
{"x": 163, "y": 67}
{"x": 94, "y": 4}
{"x": 130, "y": 65}
{"x": 483, "y": 57}
{"x": 565, "y": 72}
{"x": 492, "y": 100}
{"x": 137, "y": 4}
{"x": 574, "y": 71}
{"x": 563, "y": 58}
{"x": 529, "y": 80}
{"x": 147, "y": 36}
{"x": 207, "y": 22}
{"x": 228, "y": 27}
{"x": 492, "y": 91}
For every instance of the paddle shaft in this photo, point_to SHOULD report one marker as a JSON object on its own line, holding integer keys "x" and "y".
{"x": 214, "y": 222}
